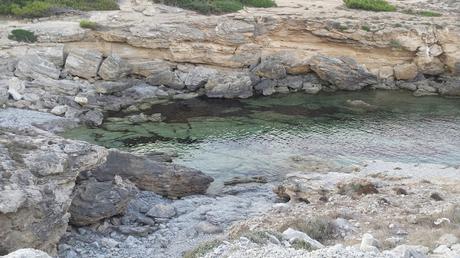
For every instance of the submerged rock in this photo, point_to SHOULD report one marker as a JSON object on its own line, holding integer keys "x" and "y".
{"x": 162, "y": 178}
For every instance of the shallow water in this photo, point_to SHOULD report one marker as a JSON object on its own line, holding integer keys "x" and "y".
{"x": 227, "y": 138}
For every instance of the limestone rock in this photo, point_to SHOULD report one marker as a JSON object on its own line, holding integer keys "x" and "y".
{"x": 92, "y": 118}
{"x": 54, "y": 87}
{"x": 167, "y": 78}
{"x": 266, "y": 86}
{"x": 230, "y": 85}
{"x": 405, "y": 71}
{"x": 449, "y": 86}
{"x": 198, "y": 77}
{"x": 94, "y": 201}
{"x": 114, "y": 68}
{"x": 33, "y": 67}
{"x": 109, "y": 87}
{"x": 291, "y": 235}
{"x": 37, "y": 175}
{"x": 163, "y": 178}
{"x": 208, "y": 228}
{"x": 292, "y": 82}
{"x": 27, "y": 253}
{"x": 83, "y": 63}
{"x": 369, "y": 243}
{"x": 270, "y": 69}
{"x": 146, "y": 67}
{"x": 343, "y": 72}
{"x": 54, "y": 54}
{"x": 311, "y": 88}
{"x": 162, "y": 211}
{"x": 3, "y": 92}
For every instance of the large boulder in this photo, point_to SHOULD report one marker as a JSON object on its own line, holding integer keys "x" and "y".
{"x": 198, "y": 77}
{"x": 83, "y": 63}
{"x": 270, "y": 69}
{"x": 34, "y": 66}
{"x": 37, "y": 176}
{"x": 114, "y": 68}
{"x": 229, "y": 85}
{"x": 54, "y": 54}
{"x": 405, "y": 71}
{"x": 343, "y": 72}
{"x": 167, "y": 78}
{"x": 147, "y": 174}
{"x": 94, "y": 201}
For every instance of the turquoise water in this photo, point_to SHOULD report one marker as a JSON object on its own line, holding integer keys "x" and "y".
{"x": 227, "y": 138}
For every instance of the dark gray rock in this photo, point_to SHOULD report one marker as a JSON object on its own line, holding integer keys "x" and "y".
{"x": 167, "y": 78}
{"x": 94, "y": 201}
{"x": 448, "y": 85}
{"x": 270, "y": 69}
{"x": 198, "y": 77}
{"x": 162, "y": 178}
{"x": 343, "y": 72}
{"x": 266, "y": 87}
{"x": 292, "y": 82}
{"x": 92, "y": 118}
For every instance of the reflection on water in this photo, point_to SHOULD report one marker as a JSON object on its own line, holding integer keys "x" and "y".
{"x": 226, "y": 138}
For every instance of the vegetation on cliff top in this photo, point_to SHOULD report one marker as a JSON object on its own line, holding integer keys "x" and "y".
{"x": 370, "y": 5}
{"x": 22, "y": 36}
{"x": 40, "y": 8}
{"x": 217, "y": 6}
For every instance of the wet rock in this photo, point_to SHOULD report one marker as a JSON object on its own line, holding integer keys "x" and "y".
{"x": 198, "y": 77}
{"x": 92, "y": 118}
{"x": 405, "y": 71}
{"x": 292, "y": 82}
{"x": 246, "y": 180}
{"x": 162, "y": 211}
{"x": 208, "y": 228}
{"x": 42, "y": 169}
{"x": 94, "y": 201}
{"x": 34, "y": 67}
{"x": 449, "y": 86}
{"x": 343, "y": 72}
{"x": 311, "y": 88}
{"x": 229, "y": 85}
{"x": 436, "y": 197}
{"x": 114, "y": 68}
{"x": 27, "y": 253}
{"x": 163, "y": 178}
{"x": 357, "y": 103}
{"x": 83, "y": 63}
{"x": 167, "y": 78}
{"x": 292, "y": 235}
{"x": 142, "y": 118}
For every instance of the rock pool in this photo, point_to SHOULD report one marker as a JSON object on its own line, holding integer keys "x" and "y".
{"x": 262, "y": 136}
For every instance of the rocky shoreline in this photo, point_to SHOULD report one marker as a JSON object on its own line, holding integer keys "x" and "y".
{"x": 123, "y": 205}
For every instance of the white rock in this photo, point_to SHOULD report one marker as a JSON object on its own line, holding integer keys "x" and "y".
{"x": 27, "y": 253}
{"x": 369, "y": 243}
{"x": 410, "y": 251}
{"x": 448, "y": 240}
{"x": 81, "y": 100}
{"x": 59, "y": 110}
{"x": 291, "y": 235}
{"x": 442, "y": 249}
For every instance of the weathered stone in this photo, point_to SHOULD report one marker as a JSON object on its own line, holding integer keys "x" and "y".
{"x": 54, "y": 54}
{"x": 162, "y": 211}
{"x": 229, "y": 85}
{"x": 343, "y": 72}
{"x": 108, "y": 87}
{"x": 292, "y": 235}
{"x": 429, "y": 65}
{"x": 208, "y": 228}
{"x": 33, "y": 67}
{"x": 64, "y": 87}
{"x": 198, "y": 77}
{"x": 42, "y": 169}
{"x": 292, "y": 82}
{"x": 449, "y": 86}
{"x": 114, "y": 68}
{"x": 59, "y": 110}
{"x": 369, "y": 243}
{"x": 311, "y": 88}
{"x": 167, "y": 78}
{"x": 405, "y": 71}
{"x": 94, "y": 201}
{"x": 3, "y": 92}
{"x": 93, "y": 118}
{"x": 83, "y": 63}
{"x": 27, "y": 253}
{"x": 163, "y": 178}
{"x": 266, "y": 86}
{"x": 270, "y": 69}
{"x": 16, "y": 88}
{"x": 147, "y": 67}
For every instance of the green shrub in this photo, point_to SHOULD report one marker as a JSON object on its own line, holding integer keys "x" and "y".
{"x": 395, "y": 44}
{"x": 40, "y": 8}
{"x": 202, "y": 249}
{"x": 22, "y": 36}
{"x": 370, "y": 5}
{"x": 365, "y": 28}
{"x": 88, "y": 24}
{"x": 216, "y": 6}
{"x": 429, "y": 14}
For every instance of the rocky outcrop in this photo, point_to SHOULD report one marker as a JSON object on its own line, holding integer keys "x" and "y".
{"x": 114, "y": 68}
{"x": 232, "y": 85}
{"x": 162, "y": 178}
{"x": 34, "y": 66}
{"x": 83, "y": 63}
{"x": 343, "y": 72}
{"x": 27, "y": 253}
{"x": 37, "y": 176}
{"x": 94, "y": 201}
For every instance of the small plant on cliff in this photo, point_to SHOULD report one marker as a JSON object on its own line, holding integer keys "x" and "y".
{"x": 202, "y": 249}
{"x": 22, "y": 36}
{"x": 395, "y": 43}
{"x": 370, "y": 5}
{"x": 429, "y": 14}
{"x": 217, "y": 6}
{"x": 88, "y": 24}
